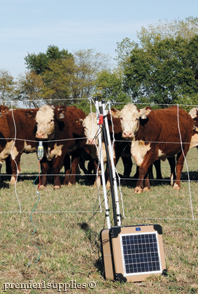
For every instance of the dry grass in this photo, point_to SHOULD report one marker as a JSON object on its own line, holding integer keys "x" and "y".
{"x": 65, "y": 246}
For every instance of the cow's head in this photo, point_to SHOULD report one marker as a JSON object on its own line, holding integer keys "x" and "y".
{"x": 90, "y": 128}
{"x": 130, "y": 119}
{"x": 45, "y": 119}
{"x": 194, "y": 114}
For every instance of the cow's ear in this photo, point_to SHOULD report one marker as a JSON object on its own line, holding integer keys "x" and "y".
{"x": 80, "y": 121}
{"x": 145, "y": 112}
{"x": 30, "y": 113}
{"x": 60, "y": 112}
{"x": 193, "y": 113}
{"x": 4, "y": 110}
{"x": 115, "y": 112}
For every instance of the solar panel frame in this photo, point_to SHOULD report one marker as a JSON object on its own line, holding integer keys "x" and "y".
{"x": 138, "y": 258}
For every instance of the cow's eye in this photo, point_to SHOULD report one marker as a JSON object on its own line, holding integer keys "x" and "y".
{"x": 137, "y": 118}
{"x": 121, "y": 118}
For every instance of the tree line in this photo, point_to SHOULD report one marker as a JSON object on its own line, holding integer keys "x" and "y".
{"x": 162, "y": 68}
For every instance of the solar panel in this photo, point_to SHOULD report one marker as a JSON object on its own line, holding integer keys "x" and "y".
{"x": 140, "y": 253}
{"x": 132, "y": 253}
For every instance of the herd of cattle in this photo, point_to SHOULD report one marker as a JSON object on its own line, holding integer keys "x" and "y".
{"x": 70, "y": 138}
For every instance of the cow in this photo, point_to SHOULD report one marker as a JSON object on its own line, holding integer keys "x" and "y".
{"x": 126, "y": 153}
{"x": 156, "y": 134}
{"x": 62, "y": 135}
{"x": 121, "y": 149}
{"x": 91, "y": 147}
{"x": 17, "y": 135}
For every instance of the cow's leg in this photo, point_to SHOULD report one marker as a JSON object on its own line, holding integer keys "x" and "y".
{"x": 147, "y": 185}
{"x": 0, "y": 169}
{"x": 171, "y": 161}
{"x": 127, "y": 163}
{"x": 74, "y": 166}
{"x": 8, "y": 165}
{"x": 90, "y": 166}
{"x": 44, "y": 170}
{"x": 82, "y": 166}
{"x": 56, "y": 167}
{"x": 15, "y": 166}
{"x": 67, "y": 169}
{"x": 157, "y": 165}
{"x": 97, "y": 169}
{"x": 179, "y": 167}
{"x": 107, "y": 174}
{"x": 136, "y": 175}
{"x": 150, "y": 172}
{"x": 149, "y": 158}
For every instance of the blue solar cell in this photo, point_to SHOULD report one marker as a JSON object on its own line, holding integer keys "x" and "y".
{"x": 140, "y": 253}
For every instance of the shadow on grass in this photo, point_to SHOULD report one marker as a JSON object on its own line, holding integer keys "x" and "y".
{"x": 85, "y": 180}
{"x": 4, "y": 185}
{"x": 94, "y": 240}
{"x": 192, "y": 174}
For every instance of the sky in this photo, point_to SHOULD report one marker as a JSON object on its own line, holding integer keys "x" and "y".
{"x": 30, "y": 26}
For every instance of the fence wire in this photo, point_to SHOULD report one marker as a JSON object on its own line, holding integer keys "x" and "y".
{"x": 120, "y": 179}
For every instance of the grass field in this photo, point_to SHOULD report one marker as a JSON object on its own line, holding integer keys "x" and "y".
{"x": 56, "y": 237}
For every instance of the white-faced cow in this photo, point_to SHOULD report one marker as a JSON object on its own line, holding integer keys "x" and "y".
{"x": 156, "y": 134}
{"x": 91, "y": 132}
{"x": 121, "y": 149}
{"x": 62, "y": 133}
{"x": 17, "y": 135}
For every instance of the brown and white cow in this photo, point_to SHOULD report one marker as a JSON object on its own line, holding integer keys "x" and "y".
{"x": 156, "y": 134}
{"x": 62, "y": 133}
{"x": 17, "y": 135}
{"x": 121, "y": 149}
{"x": 90, "y": 126}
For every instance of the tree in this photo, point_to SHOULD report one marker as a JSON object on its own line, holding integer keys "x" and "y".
{"x": 58, "y": 80}
{"x": 73, "y": 78}
{"x": 7, "y": 85}
{"x": 109, "y": 86}
{"x": 65, "y": 76}
{"x": 39, "y": 63}
{"x": 185, "y": 29}
{"x": 163, "y": 68}
{"x": 164, "y": 71}
{"x": 29, "y": 89}
{"x": 123, "y": 51}
{"x": 88, "y": 64}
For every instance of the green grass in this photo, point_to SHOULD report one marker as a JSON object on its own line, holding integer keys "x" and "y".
{"x": 68, "y": 223}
